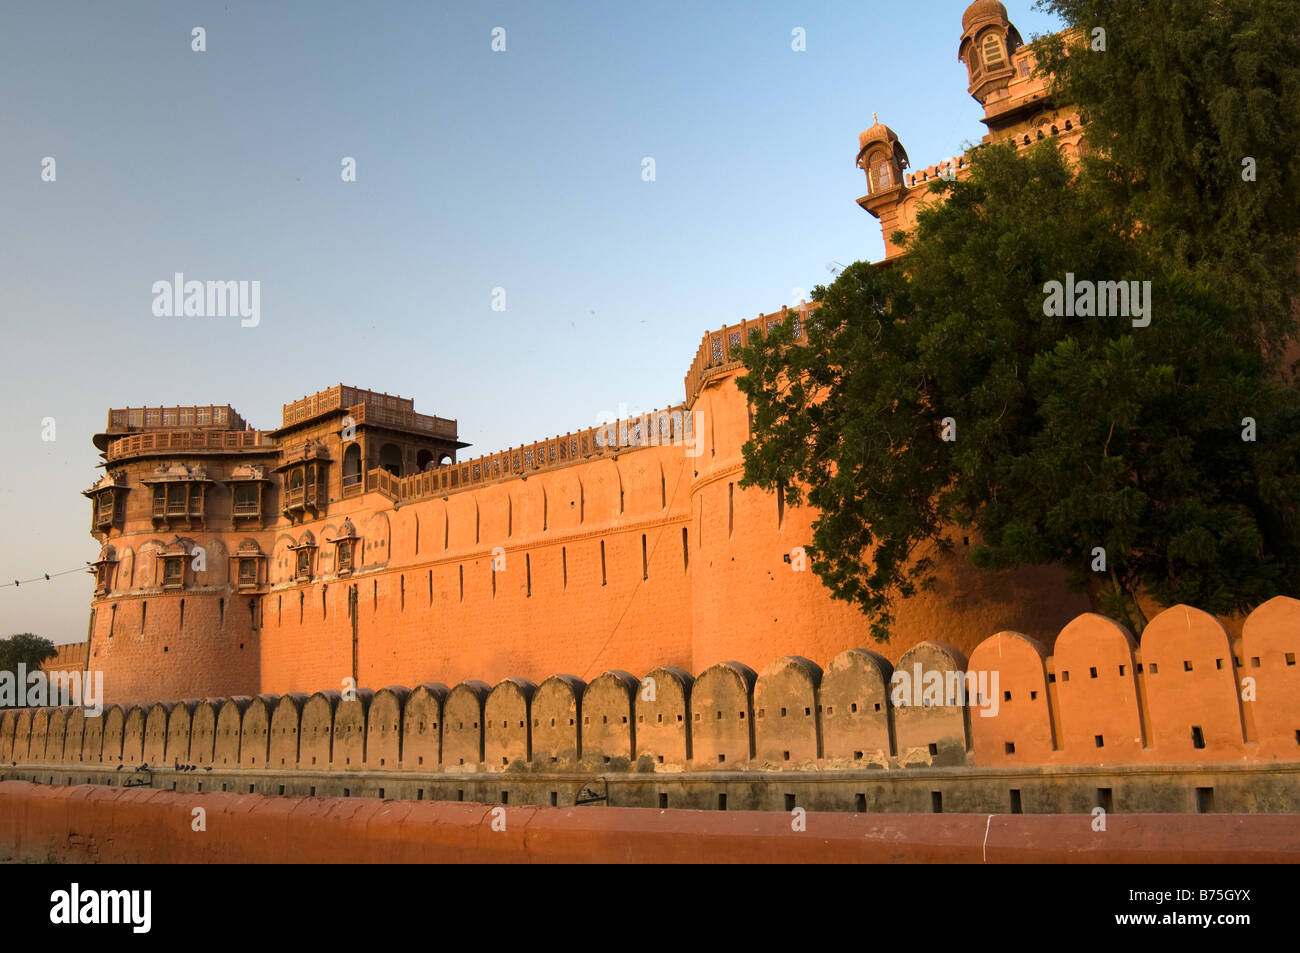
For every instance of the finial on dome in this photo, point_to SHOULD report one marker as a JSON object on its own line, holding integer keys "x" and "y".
{"x": 875, "y": 120}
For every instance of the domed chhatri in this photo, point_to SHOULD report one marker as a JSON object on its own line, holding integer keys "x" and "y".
{"x": 982, "y": 10}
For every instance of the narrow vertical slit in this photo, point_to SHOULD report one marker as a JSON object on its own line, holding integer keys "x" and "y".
{"x": 731, "y": 510}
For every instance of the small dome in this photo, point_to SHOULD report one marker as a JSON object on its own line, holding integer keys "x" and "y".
{"x": 983, "y": 10}
{"x": 878, "y": 132}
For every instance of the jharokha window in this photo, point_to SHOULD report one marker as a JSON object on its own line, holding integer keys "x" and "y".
{"x": 345, "y": 556}
{"x": 992, "y": 52}
{"x": 173, "y": 572}
{"x": 304, "y": 563}
{"x": 246, "y": 500}
{"x": 248, "y": 572}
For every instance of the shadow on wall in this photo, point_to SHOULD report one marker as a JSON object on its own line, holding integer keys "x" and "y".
{"x": 1189, "y": 693}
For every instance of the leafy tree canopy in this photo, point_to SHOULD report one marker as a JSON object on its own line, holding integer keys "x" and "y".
{"x": 1072, "y": 433}
{"x": 27, "y": 648}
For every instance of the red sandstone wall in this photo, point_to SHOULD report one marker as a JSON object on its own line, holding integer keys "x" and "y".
{"x": 86, "y": 824}
{"x": 1096, "y": 701}
{"x": 215, "y": 653}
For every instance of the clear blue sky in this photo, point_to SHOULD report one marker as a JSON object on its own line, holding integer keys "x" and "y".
{"x": 475, "y": 170}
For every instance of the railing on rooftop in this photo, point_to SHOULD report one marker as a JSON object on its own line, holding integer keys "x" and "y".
{"x": 714, "y": 355}
{"x": 386, "y": 410}
{"x": 159, "y": 418}
{"x": 672, "y": 425}
{"x": 167, "y": 441}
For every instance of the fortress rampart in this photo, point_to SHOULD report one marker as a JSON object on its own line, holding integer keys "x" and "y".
{"x": 627, "y": 547}
{"x": 1189, "y": 695}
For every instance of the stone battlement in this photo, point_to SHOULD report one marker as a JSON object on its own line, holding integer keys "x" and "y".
{"x": 1188, "y": 694}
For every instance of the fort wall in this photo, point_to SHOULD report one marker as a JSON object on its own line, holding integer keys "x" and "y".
{"x": 1190, "y": 694}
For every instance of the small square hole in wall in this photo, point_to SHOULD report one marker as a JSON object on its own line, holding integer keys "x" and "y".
{"x": 830, "y": 709}
{"x": 419, "y": 794}
{"x": 460, "y": 792}
{"x": 1297, "y": 736}
{"x": 1218, "y": 663}
{"x": 877, "y": 706}
{"x": 505, "y": 797}
{"x": 1092, "y": 672}
{"x": 1006, "y": 696}
{"x": 785, "y": 756}
{"x": 742, "y": 716}
{"x": 607, "y": 760}
{"x": 789, "y": 802}
{"x": 721, "y": 758}
{"x": 1187, "y": 665}
{"x": 663, "y": 800}
{"x": 347, "y": 792}
{"x": 282, "y": 789}
{"x": 1065, "y": 676}
{"x": 860, "y": 803}
{"x": 661, "y": 759}
{"x": 250, "y": 789}
{"x": 853, "y": 707}
{"x": 936, "y": 802}
{"x": 782, "y": 712}
{"x": 934, "y": 748}
{"x": 1155, "y": 670}
{"x": 1290, "y": 658}
{"x": 553, "y": 760}
{"x": 1010, "y": 747}
{"x": 1205, "y": 800}
{"x": 1099, "y": 740}
{"x": 420, "y": 759}
{"x": 762, "y": 712}
{"x": 1106, "y": 800}
{"x": 722, "y": 802}
{"x": 1121, "y": 671}
{"x": 1051, "y": 678}
{"x": 555, "y": 799}
{"x": 857, "y": 755}
{"x": 1198, "y": 737}
{"x": 1254, "y": 661}
{"x": 223, "y": 786}
{"x": 381, "y": 792}
{"x": 313, "y": 790}
{"x": 807, "y": 711}
{"x": 1015, "y": 802}
{"x": 505, "y": 760}
{"x": 697, "y": 716}
{"x": 679, "y": 717}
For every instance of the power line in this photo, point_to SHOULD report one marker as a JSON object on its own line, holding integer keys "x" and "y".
{"x": 45, "y": 577}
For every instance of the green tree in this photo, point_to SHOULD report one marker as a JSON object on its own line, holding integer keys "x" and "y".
{"x": 31, "y": 650}
{"x": 1192, "y": 109}
{"x": 1072, "y": 433}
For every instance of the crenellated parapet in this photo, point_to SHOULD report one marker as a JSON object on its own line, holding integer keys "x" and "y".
{"x": 1187, "y": 694}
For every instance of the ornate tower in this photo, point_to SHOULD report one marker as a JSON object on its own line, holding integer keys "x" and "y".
{"x": 882, "y": 158}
